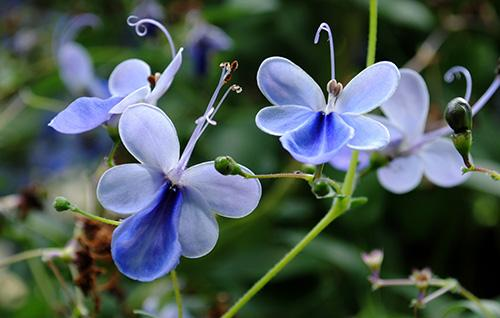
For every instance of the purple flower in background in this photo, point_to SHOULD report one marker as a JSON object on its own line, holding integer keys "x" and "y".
{"x": 413, "y": 157}
{"x": 173, "y": 207}
{"x": 312, "y": 129}
{"x": 75, "y": 65}
{"x": 204, "y": 39}
{"x": 129, "y": 83}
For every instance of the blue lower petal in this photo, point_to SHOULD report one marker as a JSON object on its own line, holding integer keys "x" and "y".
{"x": 317, "y": 140}
{"x": 84, "y": 114}
{"x": 146, "y": 245}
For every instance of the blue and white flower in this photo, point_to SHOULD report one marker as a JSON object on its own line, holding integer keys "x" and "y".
{"x": 130, "y": 82}
{"x": 412, "y": 154}
{"x": 313, "y": 129}
{"x": 173, "y": 208}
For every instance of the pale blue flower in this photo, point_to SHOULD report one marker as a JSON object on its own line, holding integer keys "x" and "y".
{"x": 129, "y": 83}
{"x": 173, "y": 208}
{"x": 412, "y": 155}
{"x": 313, "y": 129}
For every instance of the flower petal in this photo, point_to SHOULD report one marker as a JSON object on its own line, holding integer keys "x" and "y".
{"x": 133, "y": 98}
{"x": 369, "y": 89}
{"x": 342, "y": 159}
{"x": 75, "y": 67}
{"x": 317, "y": 140}
{"x": 408, "y": 107}
{"x": 277, "y": 120}
{"x": 198, "y": 229}
{"x": 146, "y": 246}
{"x": 165, "y": 79}
{"x": 229, "y": 196}
{"x": 84, "y": 114}
{"x": 150, "y": 136}
{"x": 129, "y": 188}
{"x": 128, "y": 76}
{"x": 284, "y": 83}
{"x": 369, "y": 134}
{"x": 442, "y": 163}
{"x": 402, "y": 174}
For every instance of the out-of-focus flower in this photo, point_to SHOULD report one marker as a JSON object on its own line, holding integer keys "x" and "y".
{"x": 203, "y": 40}
{"x": 312, "y": 129}
{"x": 173, "y": 207}
{"x": 75, "y": 65}
{"x": 129, "y": 83}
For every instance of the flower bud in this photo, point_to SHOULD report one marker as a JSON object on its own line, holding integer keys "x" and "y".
{"x": 61, "y": 204}
{"x": 322, "y": 189}
{"x": 421, "y": 278}
{"x": 226, "y": 165}
{"x": 458, "y": 115}
{"x": 373, "y": 260}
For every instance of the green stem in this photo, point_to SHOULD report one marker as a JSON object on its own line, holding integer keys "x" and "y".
{"x": 297, "y": 175}
{"x": 39, "y": 252}
{"x": 339, "y": 206}
{"x": 471, "y": 297}
{"x": 372, "y": 34}
{"x": 94, "y": 217}
{"x": 110, "y": 160}
{"x": 492, "y": 173}
{"x": 177, "y": 291}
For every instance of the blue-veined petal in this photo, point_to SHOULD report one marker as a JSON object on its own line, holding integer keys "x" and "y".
{"x": 402, "y": 174}
{"x": 84, "y": 114}
{"x": 277, "y": 120}
{"x": 133, "y": 98}
{"x": 342, "y": 159}
{"x": 369, "y": 89}
{"x": 165, "y": 79}
{"x": 318, "y": 139}
{"x": 150, "y": 136}
{"x": 442, "y": 163}
{"x": 284, "y": 83}
{"x": 369, "y": 134}
{"x": 408, "y": 106}
{"x": 129, "y": 188}
{"x": 198, "y": 229}
{"x": 128, "y": 76}
{"x": 229, "y": 196}
{"x": 75, "y": 67}
{"x": 145, "y": 246}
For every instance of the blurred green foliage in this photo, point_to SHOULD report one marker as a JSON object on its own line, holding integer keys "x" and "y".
{"x": 456, "y": 232}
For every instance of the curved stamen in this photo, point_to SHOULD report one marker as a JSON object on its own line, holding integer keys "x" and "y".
{"x": 142, "y": 30}
{"x": 325, "y": 27}
{"x": 455, "y": 73}
{"x": 233, "y": 88}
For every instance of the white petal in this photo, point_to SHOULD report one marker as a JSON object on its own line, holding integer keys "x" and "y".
{"x": 402, "y": 174}
{"x": 150, "y": 136}
{"x": 229, "y": 196}
{"x": 442, "y": 163}
{"x": 128, "y": 76}
{"x": 277, "y": 120}
{"x": 369, "y": 134}
{"x": 133, "y": 98}
{"x": 408, "y": 107}
{"x": 198, "y": 229}
{"x": 369, "y": 89}
{"x": 129, "y": 188}
{"x": 284, "y": 83}
{"x": 75, "y": 67}
{"x": 166, "y": 78}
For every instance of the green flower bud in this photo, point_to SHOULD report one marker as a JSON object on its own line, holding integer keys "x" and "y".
{"x": 458, "y": 115}
{"x": 226, "y": 165}
{"x": 309, "y": 169}
{"x": 61, "y": 204}
{"x": 322, "y": 189}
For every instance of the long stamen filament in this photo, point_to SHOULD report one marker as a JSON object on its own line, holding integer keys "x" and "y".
{"x": 209, "y": 120}
{"x": 325, "y": 27}
{"x": 142, "y": 30}
{"x": 455, "y": 73}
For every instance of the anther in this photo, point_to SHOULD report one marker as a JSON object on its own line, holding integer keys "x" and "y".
{"x": 236, "y": 88}
{"x": 207, "y": 118}
{"x": 334, "y": 88}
